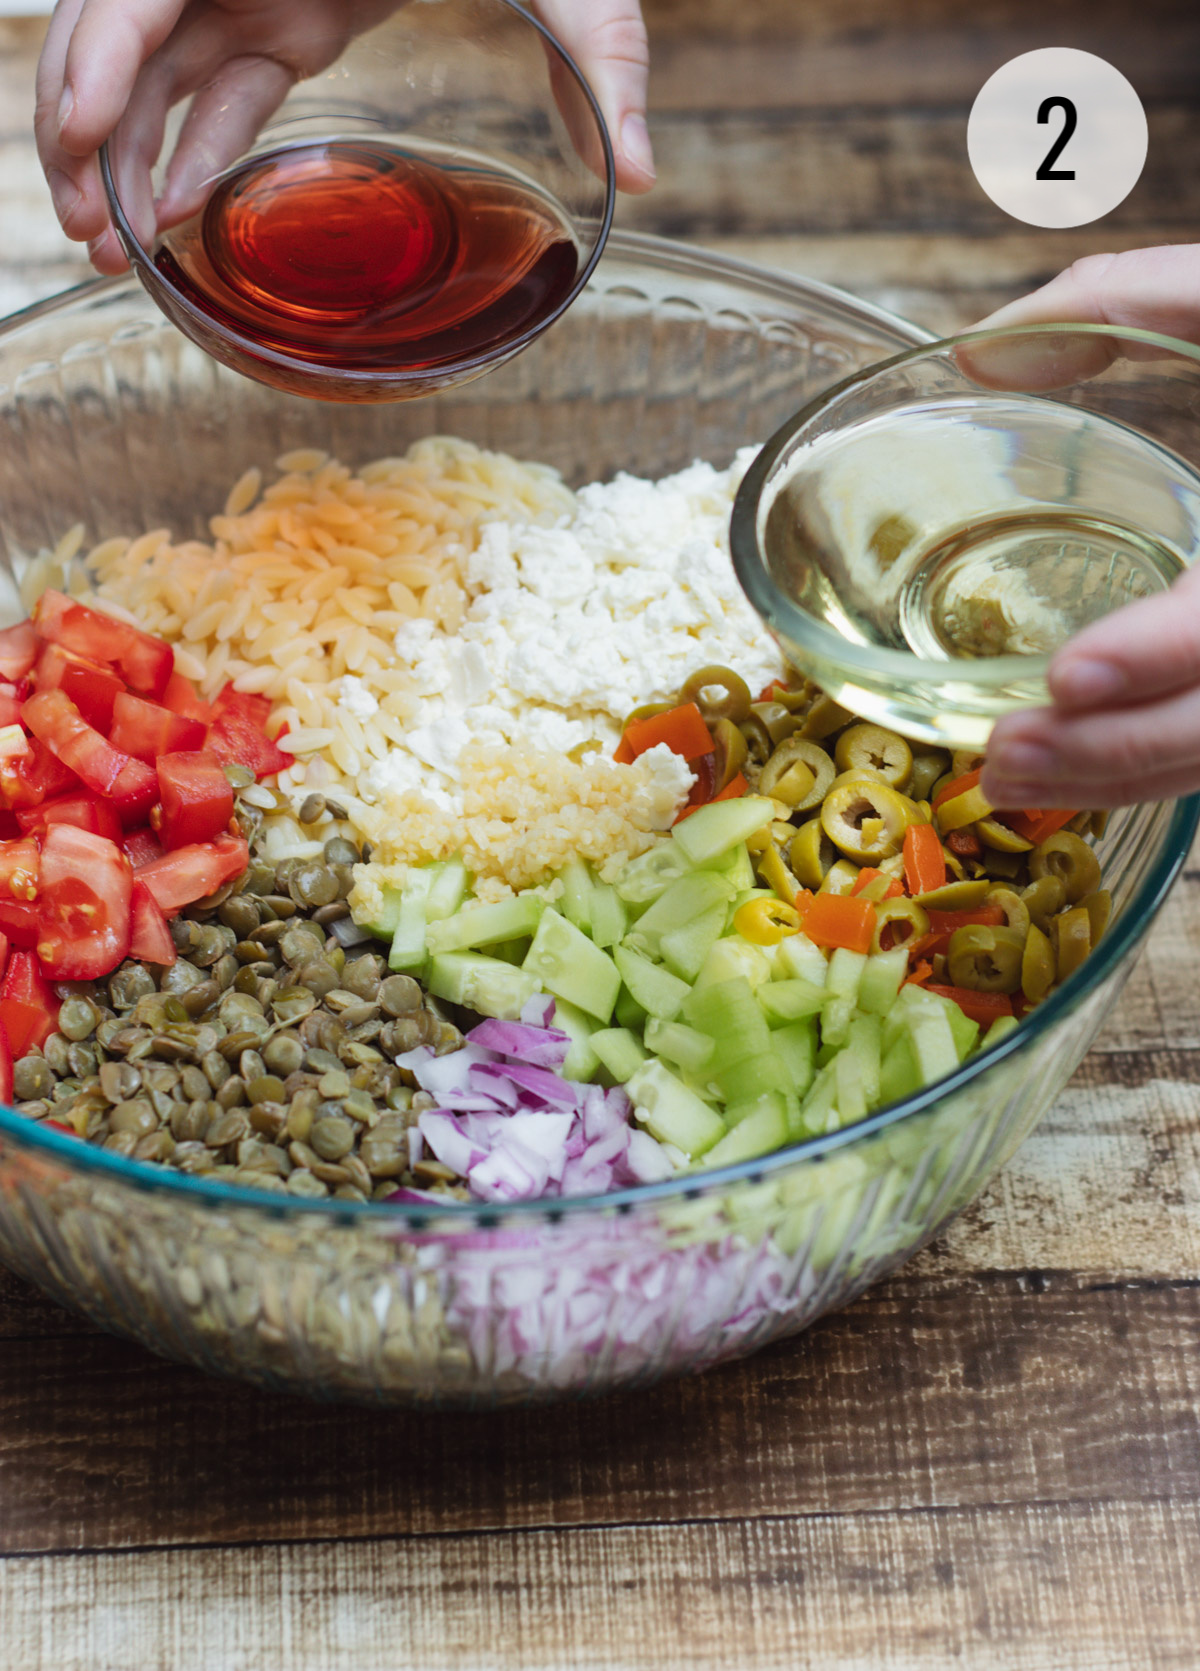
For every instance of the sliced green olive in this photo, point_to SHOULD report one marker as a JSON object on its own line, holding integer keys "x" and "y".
{"x": 590, "y": 745}
{"x": 1072, "y": 939}
{"x": 962, "y": 760}
{"x": 866, "y": 820}
{"x": 772, "y": 871}
{"x": 927, "y": 768}
{"x": 955, "y": 896}
{"x": 1016, "y": 912}
{"x": 1073, "y": 862}
{"x": 824, "y": 717}
{"x": 898, "y": 921}
{"x": 811, "y": 853}
{"x": 839, "y": 878}
{"x": 1000, "y": 838}
{"x": 1099, "y": 909}
{"x": 1037, "y": 965}
{"x": 798, "y": 773}
{"x": 731, "y": 751}
{"x": 871, "y": 745}
{"x": 647, "y": 711}
{"x": 1044, "y": 899}
{"x": 760, "y": 745}
{"x": 733, "y": 703}
{"x": 961, "y": 810}
{"x": 985, "y": 959}
{"x": 779, "y": 720}
{"x": 1009, "y": 866}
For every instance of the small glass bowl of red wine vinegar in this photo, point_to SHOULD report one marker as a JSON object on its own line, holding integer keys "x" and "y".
{"x": 411, "y": 214}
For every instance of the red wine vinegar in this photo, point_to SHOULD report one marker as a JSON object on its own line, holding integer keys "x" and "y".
{"x": 358, "y": 255}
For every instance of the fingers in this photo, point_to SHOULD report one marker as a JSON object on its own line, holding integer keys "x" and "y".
{"x": 223, "y": 121}
{"x": 75, "y": 186}
{"x": 1148, "y": 289}
{"x": 1103, "y": 758}
{"x": 1144, "y": 650}
{"x": 607, "y": 39}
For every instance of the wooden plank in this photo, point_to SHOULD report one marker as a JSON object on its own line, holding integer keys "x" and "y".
{"x": 792, "y": 171}
{"x": 1003, "y": 1391}
{"x": 1091, "y": 1587}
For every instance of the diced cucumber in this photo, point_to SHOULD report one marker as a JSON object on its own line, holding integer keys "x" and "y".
{"x": 690, "y": 897}
{"x": 384, "y": 920}
{"x": 864, "y": 1046}
{"x": 619, "y": 1051}
{"x": 481, "y": 983}
{"x": 568, "y": 965}
{"x": 657, "y": 990}
{"x": 817, "y": 1108}
{"x": 999, "y": 1029}
{"x": 582, "y": 1060}
{"x": 733, "y": 958}
{"x": 685, "y": 949}
{"x": 629, "y": 1013}
{"x": 881, "y": 980}
{"x": 934, "y": 1047}
{"x": 447, "y": 889}
{"x": 850, "y": 1092}
{"x": 759, "y": 1133}
{"x": 485, "y": 924}
{"x": 735, "y": 865}
{"x": 845, "y": 972}
{"x": 739, "y": 1111}
{"x": 835, "y": 1023}
{"x": 730, "y": 1016}
{"x": 751, "y": 1077}
{"x": 796, "y": 1048}
{"x": 679, "y": 1043}
{"x": 671, "y": 1112}
{"x": 409, "y": 950}
{"x": 784, "y": 1001}
{"x": 899, "y": 1075}
{"x": 965, "y": 1031}
{"x": 609, "y": 921}
{"x": 715, "y": 828}
{"x": 643, "y": 879}
{"x": 798, "y": 958}
{"x": 576, "y": 901}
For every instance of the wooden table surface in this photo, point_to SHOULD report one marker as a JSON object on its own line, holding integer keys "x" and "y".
{"x": 992, "y": 1460}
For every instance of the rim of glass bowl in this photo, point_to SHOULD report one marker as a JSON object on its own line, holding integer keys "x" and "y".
{"x": 141, "y": 257}
{"x": 782, "y": 615}
{"x": 147, "y": 1178}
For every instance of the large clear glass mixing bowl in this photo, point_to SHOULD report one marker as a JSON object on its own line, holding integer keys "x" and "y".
{"x": 109, "y": 417}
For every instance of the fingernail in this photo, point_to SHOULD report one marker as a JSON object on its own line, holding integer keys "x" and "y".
{"x": 1085, "y": 683}
{"x": 64, "y": 194}
{"x": 65, "y": 106}
{"x": 635, "y": 143}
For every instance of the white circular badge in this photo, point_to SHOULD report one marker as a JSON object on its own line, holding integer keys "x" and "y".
{"x": 1057, "y": 137}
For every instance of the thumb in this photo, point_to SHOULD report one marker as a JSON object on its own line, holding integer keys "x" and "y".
{"x": 607, "y": 39}
{"x": 1148, "y": 289}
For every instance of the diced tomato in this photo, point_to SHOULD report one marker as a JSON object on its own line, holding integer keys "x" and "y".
{"x": 10, "y": 707}
{"x": 145, "y": 663}
{"x": 141, "y": 846}
{"x": 86, "y": 812}
{"x": 10, "y": 827}
{"x": 733, "y": 791}
{"x": 146, "y": 730}
{"x": 190, "y": 873}
{"x": 182, "y": 698}
{"x": 38, "y": 776}
{"x": 27, "y": 1028}
{"x": 92, "y": 687}
{"x": 19, "y": 922}
{"x": 245, "y": 701}
{"x": 237, "y": 738}
{"x": 83, "y": 908}
{"x": 135, "y": 792}
{"x": 35, "y": 1013}
{"x": 196, "y": 799}
{"x": 149, "y": 932}
{"x": 6, "y": 1066}
{"x": 19, "y": 868}
{"x": 56, "y": 721}
{"x": 19, "y": 648}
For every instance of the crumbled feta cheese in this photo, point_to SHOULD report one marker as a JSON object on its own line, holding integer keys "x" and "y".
{"x": 354, "y": 696}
